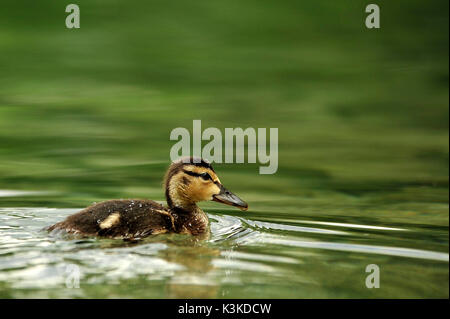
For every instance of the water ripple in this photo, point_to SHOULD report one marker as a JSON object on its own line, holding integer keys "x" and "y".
{"x": 30, "y": 258}
{"x": 368, "y": 249}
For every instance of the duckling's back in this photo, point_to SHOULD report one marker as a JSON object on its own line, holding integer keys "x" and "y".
{"x": 119, "y": 218}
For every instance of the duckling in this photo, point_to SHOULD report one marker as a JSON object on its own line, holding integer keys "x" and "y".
{"x": 187, "y": 181}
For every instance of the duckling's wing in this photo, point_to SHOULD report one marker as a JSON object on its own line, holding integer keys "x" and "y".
{"x": 119, "y": 218}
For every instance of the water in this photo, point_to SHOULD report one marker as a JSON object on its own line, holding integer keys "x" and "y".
{"x": 86, "y": 115}
{"x": 247, "y": 254}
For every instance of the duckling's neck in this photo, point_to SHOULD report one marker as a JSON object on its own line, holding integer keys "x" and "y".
{"x": 189, "y": 219}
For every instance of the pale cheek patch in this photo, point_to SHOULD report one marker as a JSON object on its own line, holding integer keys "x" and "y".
{"x": 110, "y": 221}
{"x": 206, "y": 193}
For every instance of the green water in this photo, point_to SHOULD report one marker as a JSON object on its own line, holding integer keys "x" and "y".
{"x": 85, "y": 116}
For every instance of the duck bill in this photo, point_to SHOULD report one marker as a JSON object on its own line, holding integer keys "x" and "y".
{"x": 228, "y": 198}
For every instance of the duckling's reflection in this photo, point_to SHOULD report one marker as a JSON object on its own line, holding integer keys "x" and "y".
{"x": 195, "y": 279}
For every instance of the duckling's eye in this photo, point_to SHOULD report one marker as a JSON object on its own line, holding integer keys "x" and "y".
{"x": 205, "y": 176}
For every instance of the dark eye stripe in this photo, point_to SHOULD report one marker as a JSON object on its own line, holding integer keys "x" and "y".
{"x": 205, "y": 176}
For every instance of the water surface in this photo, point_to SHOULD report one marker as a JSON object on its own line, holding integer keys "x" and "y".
{"x": 258, "y": 254}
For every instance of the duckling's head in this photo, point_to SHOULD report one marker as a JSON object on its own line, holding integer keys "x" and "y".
{"x": 191, "y": 180}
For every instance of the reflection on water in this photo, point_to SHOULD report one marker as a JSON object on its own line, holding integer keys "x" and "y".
{"x": 243, "y": 257}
